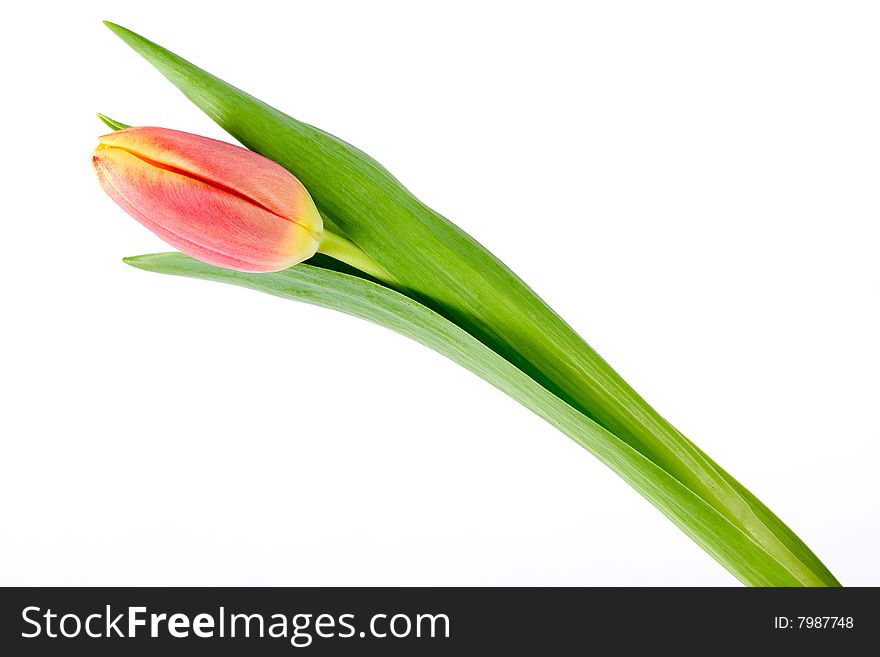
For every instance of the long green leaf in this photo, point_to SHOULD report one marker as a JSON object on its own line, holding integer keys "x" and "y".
{"x": 444, "y": 269}
{"x": 362, "y": 298}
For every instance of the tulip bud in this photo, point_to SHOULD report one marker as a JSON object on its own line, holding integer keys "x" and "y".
{"x": 217, "y": 202}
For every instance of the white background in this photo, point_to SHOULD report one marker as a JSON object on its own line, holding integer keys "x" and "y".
{"x": 694, "y": 186}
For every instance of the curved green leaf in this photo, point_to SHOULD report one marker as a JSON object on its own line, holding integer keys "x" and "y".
{"x": 374, "y": 302}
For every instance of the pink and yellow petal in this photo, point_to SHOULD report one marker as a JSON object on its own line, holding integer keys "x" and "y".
{"x": 225, "y": 165}
{"x": 203, "y": 220}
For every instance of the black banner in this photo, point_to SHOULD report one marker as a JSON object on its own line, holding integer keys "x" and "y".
{"x": 435, "y": 621}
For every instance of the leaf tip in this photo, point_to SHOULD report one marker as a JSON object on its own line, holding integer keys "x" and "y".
{"x": 133, "y": 261}
{"x": 145, "y": 261}
{"x": 113, "y": 27}
{"x": 113, "y": 124}
{"x": 124, "y": 33}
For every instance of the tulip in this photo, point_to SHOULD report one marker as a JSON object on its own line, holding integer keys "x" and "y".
{"x": 456, "y": 297}
{"x": 217, "y": 202}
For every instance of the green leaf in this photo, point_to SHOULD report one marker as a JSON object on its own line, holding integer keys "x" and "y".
{"x": 362, "y": 298}
{"x": 445, "y": 270}
{"x": 110, "y": 123}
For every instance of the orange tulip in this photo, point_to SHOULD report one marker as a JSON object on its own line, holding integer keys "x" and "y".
{"x": 217, "y": 202}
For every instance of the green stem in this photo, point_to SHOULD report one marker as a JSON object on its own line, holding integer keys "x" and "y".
{"x": 346, "y": 251}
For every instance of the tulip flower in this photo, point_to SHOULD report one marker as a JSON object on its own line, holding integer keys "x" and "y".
{"x": 217, "y": 202}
